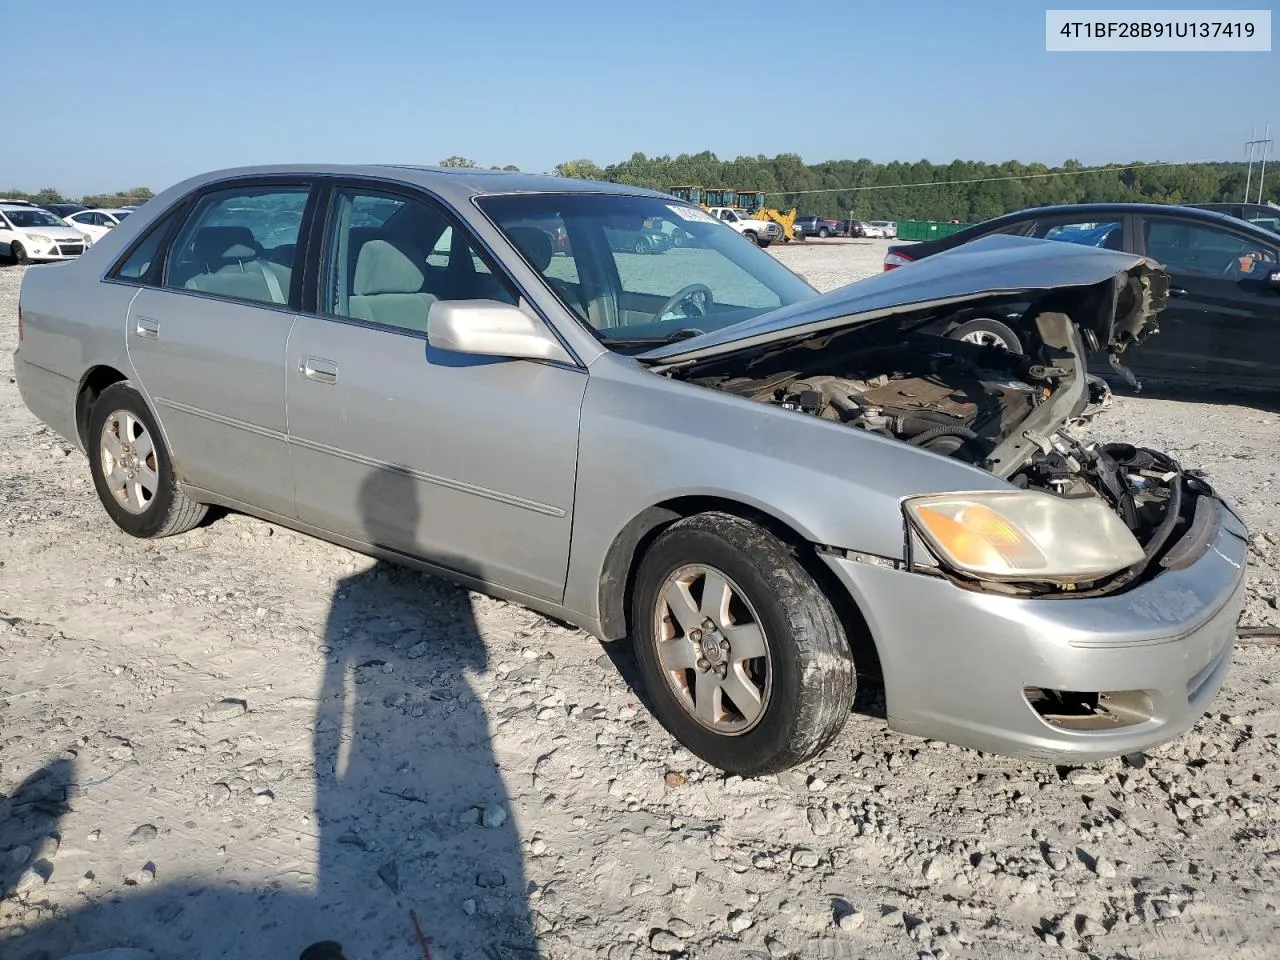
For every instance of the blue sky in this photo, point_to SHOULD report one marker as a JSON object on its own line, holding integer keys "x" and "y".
{"x": 191, "y": 86}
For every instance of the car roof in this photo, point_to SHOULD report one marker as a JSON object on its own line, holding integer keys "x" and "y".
{"x": 451, "y": 183}
{"x": 1165, "y": 209}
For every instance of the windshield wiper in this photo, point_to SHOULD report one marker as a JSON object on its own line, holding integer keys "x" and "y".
{"x": 684, "y": 333}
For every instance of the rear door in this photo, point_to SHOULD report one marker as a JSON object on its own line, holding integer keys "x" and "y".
{"x": 207, "y": 333}
{"x": 1222, "y": 321}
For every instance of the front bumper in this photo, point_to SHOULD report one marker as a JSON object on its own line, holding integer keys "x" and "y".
{"x": 58, "y": 250}
{"x": 957, "y": 663}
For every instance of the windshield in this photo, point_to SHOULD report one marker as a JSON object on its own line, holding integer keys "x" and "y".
{"x": 633, "y": 293}
{"x": 33, "y": 217}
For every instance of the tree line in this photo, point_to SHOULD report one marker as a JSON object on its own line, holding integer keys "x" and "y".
{"x": 882, "y": 191}
{"x": 891, "y": 191}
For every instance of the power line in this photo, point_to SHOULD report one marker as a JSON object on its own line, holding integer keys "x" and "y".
{"x": 1021, "y": 176}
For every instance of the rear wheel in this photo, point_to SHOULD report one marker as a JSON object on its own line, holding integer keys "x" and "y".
{"x": 742, "y": 655}
{"x": 132, "y": 470}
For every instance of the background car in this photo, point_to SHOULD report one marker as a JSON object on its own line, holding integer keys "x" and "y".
{"x": 816, "y": 227}
{"x": 872, "y": 230}
{"x": 1220, "y": 325}
{"x": 641, "y": 240}
{"x": 64, "y": 210}
{"x": 96, "y": 223}
{"x": 888, "y": 228}
{"x": 31, "y": 234}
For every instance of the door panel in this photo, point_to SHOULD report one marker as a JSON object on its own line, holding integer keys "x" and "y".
{"x": 1222, "y": 321}
{"x": 214, "y": 373}
{"x": 467, "y": 462}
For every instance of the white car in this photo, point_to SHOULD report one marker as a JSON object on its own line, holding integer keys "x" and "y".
{"x": 96, "y": 223}
{"x": 29, "y": 233}
{"x": 886, "y": 228}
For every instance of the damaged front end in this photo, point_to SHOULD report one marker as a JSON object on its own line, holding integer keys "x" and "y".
{"x": 1019, "y": 417}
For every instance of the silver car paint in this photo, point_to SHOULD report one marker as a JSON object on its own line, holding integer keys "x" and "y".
{"x": 487, "y": 444}
{"x": 958, "y": 661}
{"x": 644, "y": 440}
{"x": 210, "y": 369}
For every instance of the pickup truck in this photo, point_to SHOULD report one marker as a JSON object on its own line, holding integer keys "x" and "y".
{"x": 760, "y": 232}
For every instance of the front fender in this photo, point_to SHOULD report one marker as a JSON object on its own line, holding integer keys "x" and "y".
{"x": 647, "y": 439}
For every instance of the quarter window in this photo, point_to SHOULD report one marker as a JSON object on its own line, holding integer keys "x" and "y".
{"x": 137, "y": 265}
{"x": 241, "y": 243}
{"x": 390, "y": 258}
{"x": 1191, "y": 249}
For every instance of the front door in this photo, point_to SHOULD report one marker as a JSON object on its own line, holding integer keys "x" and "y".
{"x": 466, "y": 462}
{"x": 1222, "y": 321}
{"x": 208, "y": 342}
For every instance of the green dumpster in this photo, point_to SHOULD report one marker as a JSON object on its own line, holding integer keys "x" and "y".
{"x": 927, "y": 229}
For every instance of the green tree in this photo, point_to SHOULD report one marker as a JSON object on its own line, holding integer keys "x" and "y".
{"x": 456, "y": 161}
{"x": 580, "y": 170}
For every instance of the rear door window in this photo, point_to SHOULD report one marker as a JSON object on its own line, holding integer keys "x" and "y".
{"x": 240, "y": 242}
{"x": 1108, "y": 234}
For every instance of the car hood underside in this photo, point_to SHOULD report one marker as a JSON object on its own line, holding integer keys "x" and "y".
{"x": 1115, "y": 296}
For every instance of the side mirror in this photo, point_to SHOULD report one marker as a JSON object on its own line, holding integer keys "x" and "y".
{"x": 493, "y": 329}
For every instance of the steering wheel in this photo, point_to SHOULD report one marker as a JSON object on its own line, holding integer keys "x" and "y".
{"x": 683, "y": 294}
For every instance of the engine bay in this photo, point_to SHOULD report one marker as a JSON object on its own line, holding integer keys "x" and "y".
{"x": 1018, "y": 416}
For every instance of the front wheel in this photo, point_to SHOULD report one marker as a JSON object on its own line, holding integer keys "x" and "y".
{"x": 824, "y": 233}
{"x": 642, "y": 245}
{"x": 751, "y": 235}
{"x": 742, "y": 655}
{"x": 132, "y": 470}
{"x": 988, "y": 333}
{"x": 19, "y": 253}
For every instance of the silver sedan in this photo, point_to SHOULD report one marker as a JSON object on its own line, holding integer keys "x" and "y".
{"x": 768, "y": 491}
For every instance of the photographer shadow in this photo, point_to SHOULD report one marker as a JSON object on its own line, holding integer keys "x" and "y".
{"x": 413, "y": 828}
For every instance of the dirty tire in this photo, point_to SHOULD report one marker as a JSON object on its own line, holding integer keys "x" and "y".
{"x": 988, "y": 331}
{"x": 18, "y": 253}
{"x": 808, "y": 654}
{"x": 170, "y": 511}
{"x": 751, "y": 235}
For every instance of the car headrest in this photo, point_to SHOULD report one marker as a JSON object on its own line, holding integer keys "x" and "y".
{"x": 221, "y": 243}
{"x": 535, "y": 243}
{"x": 384, "y": 268}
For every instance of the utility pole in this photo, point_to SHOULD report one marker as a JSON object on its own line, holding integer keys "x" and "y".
{"x": 1255, "y": 142}
{"x": 1262, "y": 175}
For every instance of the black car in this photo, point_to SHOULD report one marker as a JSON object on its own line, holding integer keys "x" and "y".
{"x": 64, "y": 209}
{"x": 850, "y": 228}
{"x": 1222, "y": 321}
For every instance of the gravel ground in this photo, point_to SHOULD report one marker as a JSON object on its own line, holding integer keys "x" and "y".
{"x": 242, "y": 740}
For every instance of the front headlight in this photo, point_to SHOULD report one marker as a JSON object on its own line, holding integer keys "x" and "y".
{"x": 88, "y": 240}
{"x": 1025, "y": 535}
{"x": 40, "y": 238}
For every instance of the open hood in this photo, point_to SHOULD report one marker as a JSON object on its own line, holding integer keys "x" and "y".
{"x": 1131, "y": 290}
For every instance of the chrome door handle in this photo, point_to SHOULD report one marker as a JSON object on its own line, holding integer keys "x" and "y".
{"x": 319, "y": 370}
{"x": 147, "y": 328}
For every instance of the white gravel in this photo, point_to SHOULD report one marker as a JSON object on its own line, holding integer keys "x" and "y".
{"x": 241, "y": 741}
